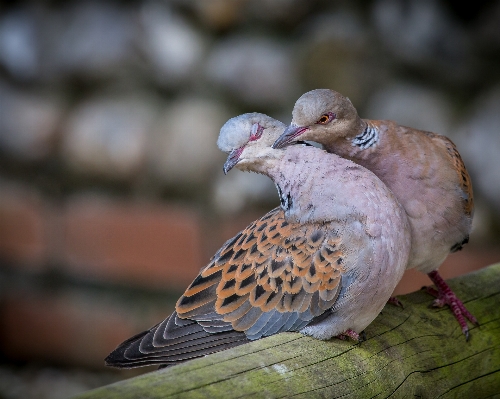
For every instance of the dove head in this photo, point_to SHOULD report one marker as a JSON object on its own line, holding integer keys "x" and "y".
{"x": 323, "y": 116}
{"x": 247, "y": 139}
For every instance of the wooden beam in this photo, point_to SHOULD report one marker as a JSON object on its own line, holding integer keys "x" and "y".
{"x": 412, "y": 352}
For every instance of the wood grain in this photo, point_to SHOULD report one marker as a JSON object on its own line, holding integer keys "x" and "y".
{"x": 412, "y": 352}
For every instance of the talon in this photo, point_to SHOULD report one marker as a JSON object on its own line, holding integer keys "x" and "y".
{"x": 438, "y": 303}
{"x": 393, "y": 300}
{"x": 445, "y": 296}
{"x": 349, "y": 334}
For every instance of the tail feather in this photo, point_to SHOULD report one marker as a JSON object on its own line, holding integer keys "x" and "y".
{"x": 169, "y": 343}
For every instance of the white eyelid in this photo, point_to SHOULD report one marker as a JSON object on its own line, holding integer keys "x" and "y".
{"x": 255, "y": 129}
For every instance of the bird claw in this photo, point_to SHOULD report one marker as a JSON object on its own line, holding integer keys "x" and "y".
{"x": 438, "y": 303}
{"x": 466, "y": 333}
{"x": 352, "y": 335}
{"x": 445, "y": 296}
{"x": 393, "y": 300}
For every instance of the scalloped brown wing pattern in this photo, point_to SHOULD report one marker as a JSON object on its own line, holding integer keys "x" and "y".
{"x": 273, "y": 276}
{"x": 463, "y": 175}
{"x": 460, "y": 169}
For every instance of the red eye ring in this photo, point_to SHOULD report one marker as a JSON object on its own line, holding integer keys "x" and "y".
{"x": 326, "y": 118}
{"x": 256, "y": 132}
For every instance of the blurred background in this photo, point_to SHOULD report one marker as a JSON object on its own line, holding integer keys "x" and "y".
{"x": 112, "y": 195}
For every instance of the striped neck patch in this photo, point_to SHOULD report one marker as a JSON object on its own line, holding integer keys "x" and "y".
{"x": 368, "y": 138}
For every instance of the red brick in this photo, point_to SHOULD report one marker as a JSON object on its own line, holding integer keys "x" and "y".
{"x": 143, "y": 244}
{"x": 23, "y": 226}
{"x": 465, "y": 261}
{"x": 68, "y": 328}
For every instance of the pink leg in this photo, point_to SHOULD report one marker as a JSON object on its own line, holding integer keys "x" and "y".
{"x": 353, "y": 335}
{"x": 393, "y": 300}
{"x": 445, "y": 296}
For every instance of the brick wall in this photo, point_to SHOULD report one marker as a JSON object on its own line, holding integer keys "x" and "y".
{"x": 83, "y": 274}
{"x": 111, "y": 191}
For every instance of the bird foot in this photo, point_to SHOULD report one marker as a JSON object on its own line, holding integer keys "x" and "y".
{"x": 393, "y": 300}
{"x": 352, "y": 335}
{"x": 445, "y": 296}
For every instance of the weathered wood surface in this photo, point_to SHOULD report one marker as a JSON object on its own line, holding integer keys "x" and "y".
{"x": 415, "y": 352}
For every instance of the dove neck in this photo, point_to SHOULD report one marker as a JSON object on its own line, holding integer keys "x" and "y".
{"x": 265, "y": 162}
{"x": 306, "y": 179}
{"x": 343, "y": 144}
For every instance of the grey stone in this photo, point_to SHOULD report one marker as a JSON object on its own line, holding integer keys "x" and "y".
{"x": 173, "y": 47}
{"x": 257, "y": 71}
{"x": 19, "y": 44}
{"x": 108, "y": 135}
{"x": 183, "y": 146}
{"x": 411, "y": 105}
{"x": 89, "y": 39}
{"x": 28, "y": 122}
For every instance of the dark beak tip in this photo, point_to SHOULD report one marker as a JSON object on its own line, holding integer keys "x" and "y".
{"x": 290, "y": 133}
{"x": 280, "y": 142}
{"x": 232, "y": 160}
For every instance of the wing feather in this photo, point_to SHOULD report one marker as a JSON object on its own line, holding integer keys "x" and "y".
{"x": 273, "y": 276}
{"x": 459, "y": 166}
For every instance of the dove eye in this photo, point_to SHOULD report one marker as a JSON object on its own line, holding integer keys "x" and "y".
{"x": 325, "y": 118}
{"x": 256, "y": 132}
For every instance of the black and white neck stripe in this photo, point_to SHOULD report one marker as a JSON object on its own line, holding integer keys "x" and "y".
{"x": 368, "y": 138}
{"x": 286, "y": 200}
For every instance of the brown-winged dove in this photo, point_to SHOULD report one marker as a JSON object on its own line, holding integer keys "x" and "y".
{"x": 423, "y": 169}
{"x": 323, "y": 264}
